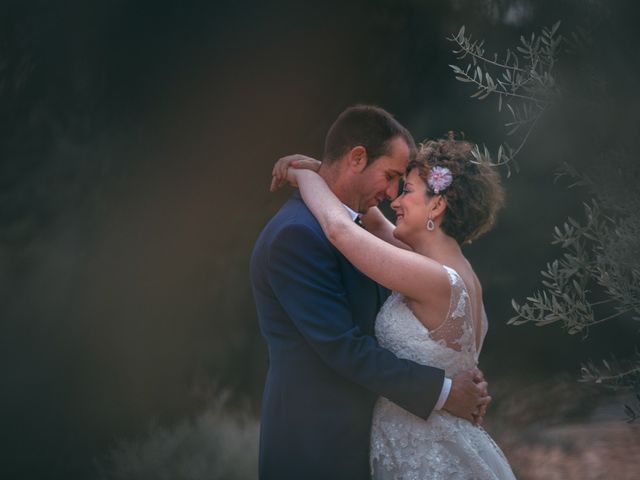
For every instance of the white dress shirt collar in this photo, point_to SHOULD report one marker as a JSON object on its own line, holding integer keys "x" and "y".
{"x": 353, "y": 214}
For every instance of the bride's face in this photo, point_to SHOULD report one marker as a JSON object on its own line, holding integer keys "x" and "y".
{"x": 411, "y": 207}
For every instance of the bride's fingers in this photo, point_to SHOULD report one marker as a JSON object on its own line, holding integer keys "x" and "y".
{"x": 281, "y": 165}
{"x": 274, "y": 184}
{"x": 277, "y": 166}
{"x": 277, "y": 169}
{"x": 284, "y": 177}
{"x": 284, "y": 166}
{"x": 308, "y": 163}
{"x": 284, "y": 174}
{"x": 279, "y": 174}
{"x": 277, "y": 182}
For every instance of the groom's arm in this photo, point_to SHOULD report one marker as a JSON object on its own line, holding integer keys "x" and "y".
{"x": 304, "y": 274}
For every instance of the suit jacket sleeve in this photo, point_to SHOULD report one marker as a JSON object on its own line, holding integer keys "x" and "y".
{"x": 304, "y": 273}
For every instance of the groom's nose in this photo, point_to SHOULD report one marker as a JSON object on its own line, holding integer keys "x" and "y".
{"x": 392, "y": 190}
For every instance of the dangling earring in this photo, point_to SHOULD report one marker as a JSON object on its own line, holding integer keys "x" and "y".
{"x": 430, "y": 225}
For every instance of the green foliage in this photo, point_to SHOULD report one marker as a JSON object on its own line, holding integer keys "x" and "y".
{"x": 613, "y": 373}
{"x": 522, "y": 81}
{"x": 596, "y": 278}
{"x": 591, "y": 266}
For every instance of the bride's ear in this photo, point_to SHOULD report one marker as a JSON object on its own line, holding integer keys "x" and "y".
{"x": 357, "y": 158}
{"x": 438, "y": 206}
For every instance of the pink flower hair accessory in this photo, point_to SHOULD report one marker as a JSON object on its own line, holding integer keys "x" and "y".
{"x": 439, "y": 179}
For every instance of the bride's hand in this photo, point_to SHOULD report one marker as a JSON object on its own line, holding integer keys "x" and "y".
{"x": 280, "y": 175}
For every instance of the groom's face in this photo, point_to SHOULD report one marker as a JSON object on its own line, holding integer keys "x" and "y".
{"x": 380, "y": 179}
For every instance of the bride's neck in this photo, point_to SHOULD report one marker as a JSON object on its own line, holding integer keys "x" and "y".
{"x": 438, "y": 246}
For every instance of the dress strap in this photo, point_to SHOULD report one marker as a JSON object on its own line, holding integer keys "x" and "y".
{"x": 456, "y": 331}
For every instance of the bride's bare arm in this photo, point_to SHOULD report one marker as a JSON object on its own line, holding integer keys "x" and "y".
{"x": 379, "y": 225}
{"x": 407, "y": 272}
{"x": 374, "y": 220}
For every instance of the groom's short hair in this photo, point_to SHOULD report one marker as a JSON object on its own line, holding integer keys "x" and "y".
{"x": 368, "y": 126}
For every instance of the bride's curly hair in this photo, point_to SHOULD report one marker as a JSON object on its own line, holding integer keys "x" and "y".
{"x": 475, "y": 195}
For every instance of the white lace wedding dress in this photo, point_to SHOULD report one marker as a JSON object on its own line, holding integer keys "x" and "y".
{"x": 406, "y": 447}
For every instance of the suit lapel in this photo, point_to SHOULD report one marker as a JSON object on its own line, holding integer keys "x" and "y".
{"x": 367, "y": 296}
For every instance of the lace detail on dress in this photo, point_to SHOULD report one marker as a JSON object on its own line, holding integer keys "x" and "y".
{"x": 404, "y": 446}
{"x": 451, "y": 346}
{"x": 457, "y": 328}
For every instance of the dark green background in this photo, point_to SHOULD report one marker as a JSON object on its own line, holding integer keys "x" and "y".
{"x": 136, "y": 143}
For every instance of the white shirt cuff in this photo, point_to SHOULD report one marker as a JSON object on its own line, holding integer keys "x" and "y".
{"x": 444, "y": 394}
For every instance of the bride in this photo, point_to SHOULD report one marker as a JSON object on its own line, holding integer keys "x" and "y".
{"x": 435, "y": 315}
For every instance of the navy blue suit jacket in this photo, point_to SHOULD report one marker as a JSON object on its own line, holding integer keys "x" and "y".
{"x": 316, "y": 313}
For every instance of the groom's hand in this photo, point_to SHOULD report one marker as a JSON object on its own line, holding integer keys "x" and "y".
{"x": 468, "y": 397}
{"x": 481, "y": 410}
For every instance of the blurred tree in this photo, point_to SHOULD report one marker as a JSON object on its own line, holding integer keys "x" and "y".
{"x": 597, "y": 277}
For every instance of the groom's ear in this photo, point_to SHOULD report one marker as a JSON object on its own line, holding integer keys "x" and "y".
{"x": 357, "y": 158}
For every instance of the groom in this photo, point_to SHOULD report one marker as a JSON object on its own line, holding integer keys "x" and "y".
{"x": 317, "y": 312}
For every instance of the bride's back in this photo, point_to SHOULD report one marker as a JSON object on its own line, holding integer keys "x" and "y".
{"x": 452, "y": 346}
{"x": 474, "y": 289}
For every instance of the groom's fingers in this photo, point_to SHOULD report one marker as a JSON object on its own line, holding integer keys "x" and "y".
{"x": 478, "y": 419}
{"x": 485, "y": 389}
{"x": 481, "y": 409}
{"x": 481, "y": 388}
{"x": 480, "y": 412}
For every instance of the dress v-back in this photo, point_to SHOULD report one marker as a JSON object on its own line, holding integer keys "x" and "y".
{"x": 406, "y": 447}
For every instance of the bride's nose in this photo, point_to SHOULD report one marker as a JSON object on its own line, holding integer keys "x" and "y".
{"x": 396, "y": 203}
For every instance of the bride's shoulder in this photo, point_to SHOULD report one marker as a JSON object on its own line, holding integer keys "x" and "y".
{"x": 433, "y": 283}
{"x": 454, "y": 275}
{"x": 437, "y": 277}
{"x": 464, "y": 277}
